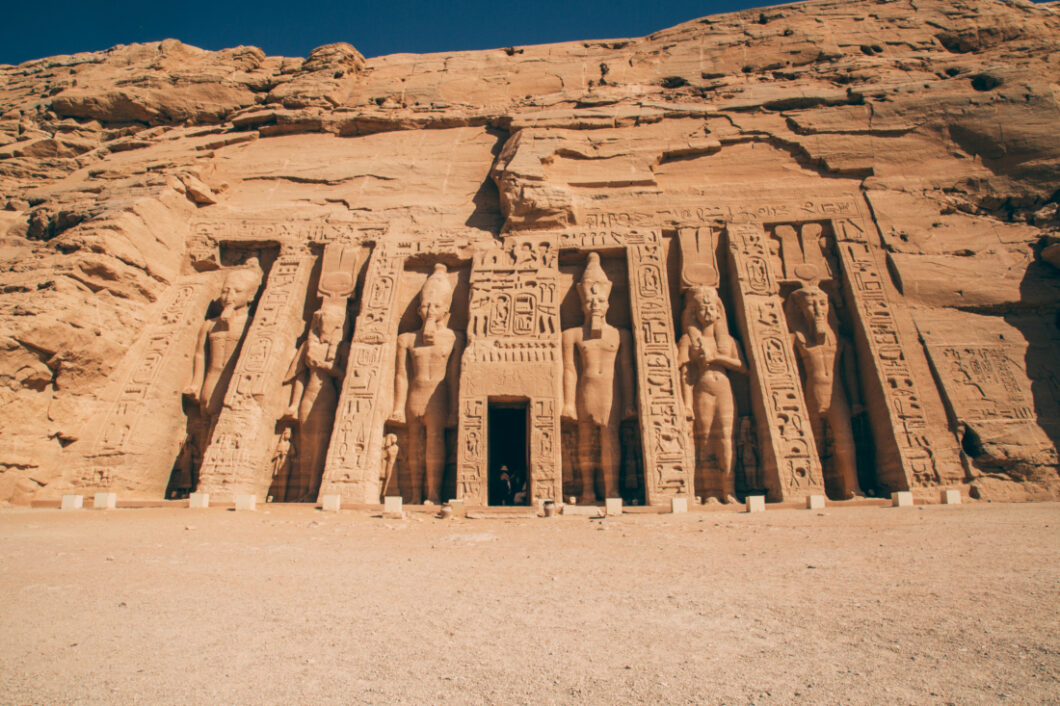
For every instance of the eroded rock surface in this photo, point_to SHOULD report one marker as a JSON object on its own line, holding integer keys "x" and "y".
{"x": 903, "y": 157}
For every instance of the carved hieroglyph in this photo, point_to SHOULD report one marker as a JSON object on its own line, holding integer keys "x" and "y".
{"x": 130, "y": 451}
{"x": 789, "y": 463}
{"x": 512, "y": 354}
{"x": 355, "y": 450}
{"x": 237, "y": 459}
{"x": 669, "y": 461}
{"x": 908, "y": 449}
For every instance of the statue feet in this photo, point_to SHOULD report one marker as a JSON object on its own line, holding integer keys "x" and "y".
{"x": 731, "y": 499}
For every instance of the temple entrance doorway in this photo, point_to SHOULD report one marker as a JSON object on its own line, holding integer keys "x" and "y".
{"x": 508, "y": 481}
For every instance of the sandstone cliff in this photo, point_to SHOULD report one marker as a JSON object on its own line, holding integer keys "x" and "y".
{"x": 943, "y": 116}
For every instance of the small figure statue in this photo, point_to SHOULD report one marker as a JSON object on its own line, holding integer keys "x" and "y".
{"x": 426, "y": 385}
{"x": 822, "y": 352}
{"x": 283, "y": 458}
{"x": 748, "y": 454}
{"x": 706, "y": 354}
{"x": 390, "y": 454}
{"x": 218, "y": 340}
{"x": 598, "y": 388}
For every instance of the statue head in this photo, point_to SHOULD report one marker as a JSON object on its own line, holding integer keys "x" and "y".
{"x": 595, "y": 292}
{"x": 813, "y": 304}
{"x": 329, "y": 321}
{"x": 704, "y": 305}
{"x": 436, "y": 298}
{"x": 239, "y": 287}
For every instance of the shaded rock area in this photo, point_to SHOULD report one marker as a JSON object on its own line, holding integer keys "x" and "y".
{"x": 135, "y": 181}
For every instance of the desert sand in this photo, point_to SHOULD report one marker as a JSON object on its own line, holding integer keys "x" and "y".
{"x": 932, "y": 604}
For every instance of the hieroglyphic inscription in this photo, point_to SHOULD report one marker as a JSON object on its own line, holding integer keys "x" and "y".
{"x": 984, "y": 383}
{"x": 236, "y": 460}
{"x": 145, "y": 390}
{"x": 838, "y": 206}
{"x": 546, "y": 476}
{"x": 906, "y": 452}
{"x": 354, "y": 453}
{"x": 472, "y": 453}
{"x": 513, "y": 350}
{"x": 285, "y": 231}
{"x": 668, "y": 454}
{"x": 789, "y": 462}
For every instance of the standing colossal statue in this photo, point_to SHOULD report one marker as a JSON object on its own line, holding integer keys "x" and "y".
{"x": 598, "y": 388}
{"x": 426, "y": 386}
{"x": 828, "y": 363}
{"x": 706, "y": 354}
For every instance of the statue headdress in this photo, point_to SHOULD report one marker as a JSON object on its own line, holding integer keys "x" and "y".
{"x": 437, "y": 286}
{"x": 594, "y": 275}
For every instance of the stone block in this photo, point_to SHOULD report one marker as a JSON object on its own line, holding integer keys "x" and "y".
{"x": 105, "y": 501}
{"x": 584, "y": 510}
{"x": 73, "y": 502}
{"x": 245, "y": 501}
{"x": 331, "y": 503}
{"x": 756, "y": 503}
{"x": 459, "y": 508}
{"x": 678, "y": 505}
{"x": 815, "y": 502}
{"x": 392, "y": 507}
{"x": 199, "y": 500}
{"x": 950, "y": 497}
{"x": 902, "y": 498}
{"x": 613, "y": 506}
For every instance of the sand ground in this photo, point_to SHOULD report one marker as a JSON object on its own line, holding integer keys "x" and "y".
{"x": 850, "y": 605}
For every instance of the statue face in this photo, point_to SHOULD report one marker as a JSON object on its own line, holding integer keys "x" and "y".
{"x": 815, "y": 306}
{"x": 595, "y": 299}
{"x": 237, "y": 290}
{"x": 707, "y": 309}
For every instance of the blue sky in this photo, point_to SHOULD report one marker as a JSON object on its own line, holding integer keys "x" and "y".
{"x": 292, "y": 28}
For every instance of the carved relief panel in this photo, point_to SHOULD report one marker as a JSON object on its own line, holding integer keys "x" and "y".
{"x": 665, "y": 434}
{"x": 354, "y": 459}
{"x": 513, "y": 353}
{"x": 788, "y": 462}
{"x": 237, "y": 458}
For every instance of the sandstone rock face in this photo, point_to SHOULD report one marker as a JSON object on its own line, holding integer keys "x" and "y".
{"x": 829, "y": 233}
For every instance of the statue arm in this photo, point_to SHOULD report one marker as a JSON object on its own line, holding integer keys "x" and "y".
{"x": 684, "y": 361}
{"x": 453, "y": 380}
{"x": 570, "y": 376}
{"x": 297, "y": 364}
{"x": 198, "y": 365}
{"x": 401, "y": 382}
{"x": 735, "y": 360}
{"x": 629, "y": 384}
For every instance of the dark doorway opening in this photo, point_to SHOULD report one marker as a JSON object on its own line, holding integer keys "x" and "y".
{"x": 509, "y": 483}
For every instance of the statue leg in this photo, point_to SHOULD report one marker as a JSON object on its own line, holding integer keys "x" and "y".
{"x": 610, "y": 457}
{"x": 296, "y": 396}
{"x": 843, "y": 449}
{"x": 705, "y": 406}
{"x": 586, "y": 462}
{"x": 723, "y": 438}
{"x": 434, "y": 459}
{"x": 417, "y": 457}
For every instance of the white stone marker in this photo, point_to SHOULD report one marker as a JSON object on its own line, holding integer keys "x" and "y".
{"x": 392, "y": 507}
{"x": 73, "y": 502}
{"x": 105, "y": 501}
{"x": 678, "y": 505}
{"x": 902, "y": 498}
{"x": 246, "y": 502}
{"x": 199, "y": 500}
{"x": 814, "y": 502}
{"x": 459, "y": 507}
{"x": 950, "y": 497}
{"x": 613, "y": 506}
{"x": 756, "y": 503}
{"x": 331, "y": 503}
